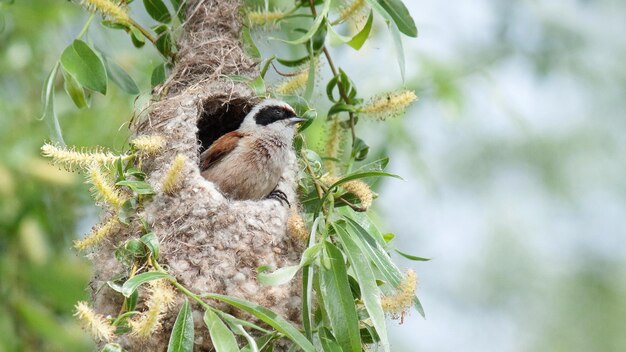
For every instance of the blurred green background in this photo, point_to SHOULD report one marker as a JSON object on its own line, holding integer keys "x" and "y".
{"x": 514, "y": 160}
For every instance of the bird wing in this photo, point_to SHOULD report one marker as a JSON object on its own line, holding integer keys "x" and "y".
{"x": 219, "y": 149}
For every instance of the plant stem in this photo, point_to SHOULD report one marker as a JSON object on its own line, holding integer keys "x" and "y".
{"x": 333, "y": 69}
{"x": 86, "y": 26}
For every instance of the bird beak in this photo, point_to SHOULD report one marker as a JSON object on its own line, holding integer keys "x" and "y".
{"x": 295, "y": 120}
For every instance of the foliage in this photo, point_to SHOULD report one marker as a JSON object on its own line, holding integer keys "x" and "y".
{"x": 346, "y": 265}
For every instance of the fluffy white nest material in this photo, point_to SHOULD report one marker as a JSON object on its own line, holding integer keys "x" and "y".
{"x": 209, "y": 243}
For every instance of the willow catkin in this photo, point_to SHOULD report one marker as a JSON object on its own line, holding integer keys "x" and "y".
{"x": 403, "y": 297}
{"x": 388, "y": 104}
{"x": 160, "y": 299}
{"x": 108, "y": 9}
{"x": 149, "y": 144}
{"x": 335, "y": 139}
{"x": 102, "y": 188}
{"x": 294, "y": 84}
{"x": 174, "y": 175}
{"x": 296, "y": 227}
{"x": 97, "y": 324}
{"x": 98, "y": 234}
{"x": 358, "y": 188}
{"x": 263, "y": 18}
{"x": 353, "y": 10}
{"x": 72, "y": 159}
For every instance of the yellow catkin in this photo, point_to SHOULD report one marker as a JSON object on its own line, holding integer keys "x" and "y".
{"x": 108, "y": 9}
{"x": 72, "y": 159}
{"x": 403, "y": 298}
{"x": 173, "y": 176}
{"x": 99, "y": 327}
{"x": 149, "y": 145}
{"x": 102, "y": 187}
{"x": 352, "y": 10}
{"x": 158, "y": 303}
{"x": 293, "y": 84}
{"x": 358, "y": 188}
{"x": 333, "y": 144}
{"x": 389, "y": 104}
{"x": 296, "y": 226}
{"x": 262, "y": 18}
{"x": 98, "y": 234}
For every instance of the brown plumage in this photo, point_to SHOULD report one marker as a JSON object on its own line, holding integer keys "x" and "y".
{"x": 248, "y": 163}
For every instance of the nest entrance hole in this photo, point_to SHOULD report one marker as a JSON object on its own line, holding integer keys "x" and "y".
{"x": 218, "y": 116}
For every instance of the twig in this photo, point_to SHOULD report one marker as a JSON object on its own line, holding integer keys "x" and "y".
{"x": 342, "y": 92}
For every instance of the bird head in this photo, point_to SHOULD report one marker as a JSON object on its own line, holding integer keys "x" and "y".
{"x": 271, "y": 115}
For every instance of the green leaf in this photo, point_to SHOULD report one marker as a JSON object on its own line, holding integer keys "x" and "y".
{"x": 133, "y": 283}
{"x": 135, "y": 248}
{"x": 139, "y": 187}
{"x": 355, "y": 42}
{"x": 179, "y": 8}
{"x": 137, "y": 37}
{"x": 328, "y": 341}
{"x": 112, "y": 347}
{"x": 126, "y": 211}
{"x": 74, "y": 90}
{"x": 397, "y": 43}
{"x": 258, "y": 85}
{"x": 388, "y": 237}
{"x": 131, "y": 302}
{"x": 132, "y": 171}
{"x": 365, "y": 174}
{"x": 359, "y": 175}
{"x": 376, "y": 165}
{"x": 359, "y": 150}
{"x": 339, "y": 107}
{"x": 252, "y": 345}
{"x": 293, "y": 63}
{"x": 310, "y": 82}
{"x": 278, "y": 277}
{"x": 233, "y": 322}
{"x": 269, "y": 317}
{"x": 318, "y": 39}
{"x": 412, "y": 257}
{"x": 400, "y": 15}
{"x": 79, "y": 60}
{"x": 359, "y": 39}
{"x": 181, "y": 339}
{"x": 370, "y": 247}
{"x": 121, "y": 78}
{"x": 164, "y": 42}
{"x": 223, "y": 339}
{"x": 152, "y": 242}
{"x": 370, "y": 293}
{"x": 47, "y": 94}
{"x": 158, "y": 75}
{"x": 285, "y": 274}
{"x": 157, "y": 10}
{"x": 321, "y": 16}
{"x": 330, "y": 88}
{"x": 266, "y": 65}
{"x": 248, "y": 44}
{"x": 238, "y": 78}
{"x": 114, "y": 25}
{"x": 339, "y": 302}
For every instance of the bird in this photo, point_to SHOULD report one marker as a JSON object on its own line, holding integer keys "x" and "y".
{"x": 247, "y": 163}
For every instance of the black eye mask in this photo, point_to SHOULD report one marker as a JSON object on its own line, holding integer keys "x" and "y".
{"x": 270, "y": 114}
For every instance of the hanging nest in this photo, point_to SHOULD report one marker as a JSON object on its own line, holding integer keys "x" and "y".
{"x": 209, "y": 243}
